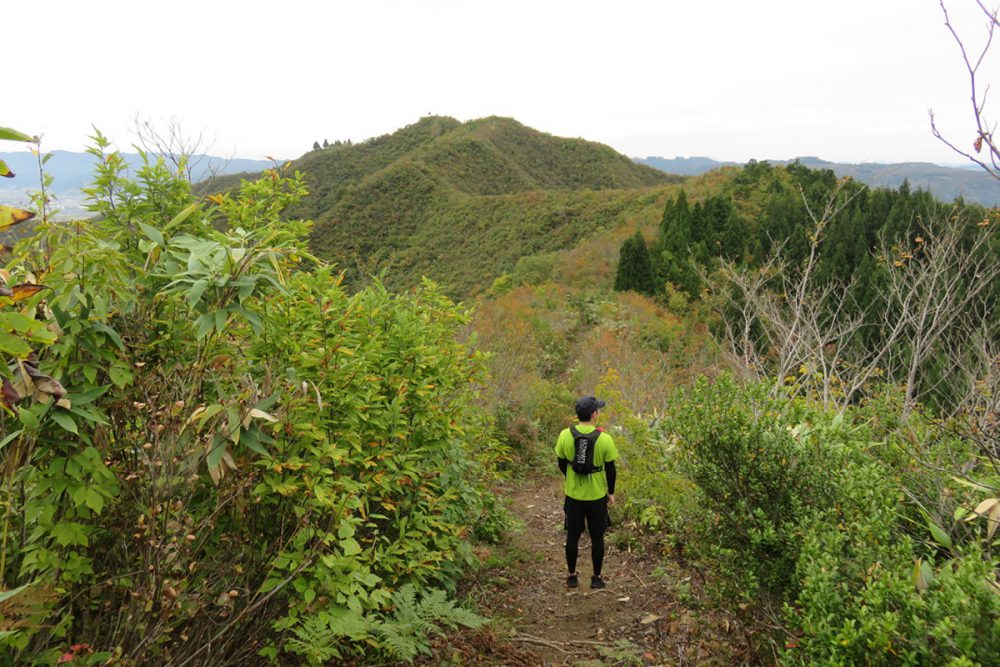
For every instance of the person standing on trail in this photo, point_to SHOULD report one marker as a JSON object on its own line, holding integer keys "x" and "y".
{"x": 586, "y": 457}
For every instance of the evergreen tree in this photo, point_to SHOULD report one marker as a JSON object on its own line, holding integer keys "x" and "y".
{"x": 635, "y": 269}
{"x": 315, "y": 145}
{"x": 675, "y": 227}
{"x": 326, "y": 144}
{"x": 674, "y": 247}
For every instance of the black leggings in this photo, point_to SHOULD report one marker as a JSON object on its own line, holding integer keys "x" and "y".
{"x": 595, "y": 512}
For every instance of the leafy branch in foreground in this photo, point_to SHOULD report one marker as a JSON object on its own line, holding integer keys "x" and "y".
{"x": 244, "y": 445}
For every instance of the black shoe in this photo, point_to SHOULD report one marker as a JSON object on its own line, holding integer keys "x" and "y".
{"x": 572, "y": 581}
{"x": 596, "y": 582}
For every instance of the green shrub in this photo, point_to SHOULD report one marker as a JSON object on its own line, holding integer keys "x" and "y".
{"x": 867, "y": 599}
{"x": 245, "y": 451}
{"x": 758, "y": 466}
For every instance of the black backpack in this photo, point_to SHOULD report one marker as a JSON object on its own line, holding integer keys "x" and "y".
{"x": 583, "y": 448}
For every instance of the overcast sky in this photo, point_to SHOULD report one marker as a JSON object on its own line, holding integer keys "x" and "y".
{"x": 848, "y": 81}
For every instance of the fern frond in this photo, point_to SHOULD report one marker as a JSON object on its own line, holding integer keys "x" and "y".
{"x": 408, "y": 631}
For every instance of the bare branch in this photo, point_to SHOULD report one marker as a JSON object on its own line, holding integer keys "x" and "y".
{"x": 188, "y": 153}
{"x": 984, "y": 128}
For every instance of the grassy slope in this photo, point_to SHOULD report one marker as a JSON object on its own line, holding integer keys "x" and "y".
{"x": 460, "y": 203}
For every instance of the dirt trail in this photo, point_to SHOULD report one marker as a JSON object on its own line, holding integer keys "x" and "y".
{"x": 649, "y": 614}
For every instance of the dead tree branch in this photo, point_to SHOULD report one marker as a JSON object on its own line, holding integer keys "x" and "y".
{"x": 985, "y": 129}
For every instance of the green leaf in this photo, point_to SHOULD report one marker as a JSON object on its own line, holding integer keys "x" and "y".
{"x": 180, "y": 217}
{"x": 110, "y": 333}
{"x": 11, "y": 436}
{"x": 6, "y": 595}
{"x": 350, "y": 547}
{"x": 938, "y": 533}
{"x": 68, "y": 533}
{"x": 205, "y": 323}
{"x": 88, "y": 396}
{"x": 249, "y": 439}
{"x": 214, "y": 456}
{"x": 5, "y": 170}
{"x": 209, "y": 411}
{"x": 195, "y": 293}
{"x": 94, "y": 500}
{"x": 65, "y": 420}
{"x": 120, "y": 375}
{"x": 89, "y": 415}
{"x": 13, "y": 135}
{"x": 923, "y": 575}
{"x": 153, "y": 234}
{"x": 28, "y": 417}
{"x": 14, "y": 345}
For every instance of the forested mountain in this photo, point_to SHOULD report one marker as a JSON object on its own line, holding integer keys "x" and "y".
{"x": 462, "y": 202}
{"x": 945, "y": 183}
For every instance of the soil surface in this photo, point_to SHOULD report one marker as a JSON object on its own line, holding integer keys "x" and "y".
{"x": 653, "y": 611}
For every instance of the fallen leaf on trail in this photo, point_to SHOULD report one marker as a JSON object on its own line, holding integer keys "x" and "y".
{"x": 650, "y": 618}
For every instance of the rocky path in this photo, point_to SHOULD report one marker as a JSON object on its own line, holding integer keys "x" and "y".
{"x": 649, "y": 614}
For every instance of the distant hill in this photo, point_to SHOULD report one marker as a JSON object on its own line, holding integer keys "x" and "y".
{"x": 945, "y": 183}
{"x": 71, "y": 171}
{"x": 685, "y": 166}
{"x": 462, "y": 202}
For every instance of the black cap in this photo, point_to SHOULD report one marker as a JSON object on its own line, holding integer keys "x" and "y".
{"x": 587, "y": 405}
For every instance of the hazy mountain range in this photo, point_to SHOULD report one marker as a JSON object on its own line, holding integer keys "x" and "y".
{"x": 71, "y": 171}
{"x": 945, "y": 183}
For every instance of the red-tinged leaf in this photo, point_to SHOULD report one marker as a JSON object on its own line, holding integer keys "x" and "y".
{"x": 65, "y": 657}
{"x": 978, "y": 144}
{"x": 9, "y": 393}
{"x": 76, "y": 648}
{"x": 25, "y": 290}
{"x": 10, "y": 216}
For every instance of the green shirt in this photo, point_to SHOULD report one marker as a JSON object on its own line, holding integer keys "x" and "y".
{"x": 595, "y": 485}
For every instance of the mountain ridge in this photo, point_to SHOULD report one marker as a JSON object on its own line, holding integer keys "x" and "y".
{"x": 462, "y": 202}
{"x": 945, "y": 183}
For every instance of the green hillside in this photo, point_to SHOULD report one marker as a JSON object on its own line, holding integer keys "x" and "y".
{"x": 461, "y": 202}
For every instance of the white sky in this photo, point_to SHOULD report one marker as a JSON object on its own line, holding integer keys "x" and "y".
{"x": 845, "y": 80}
